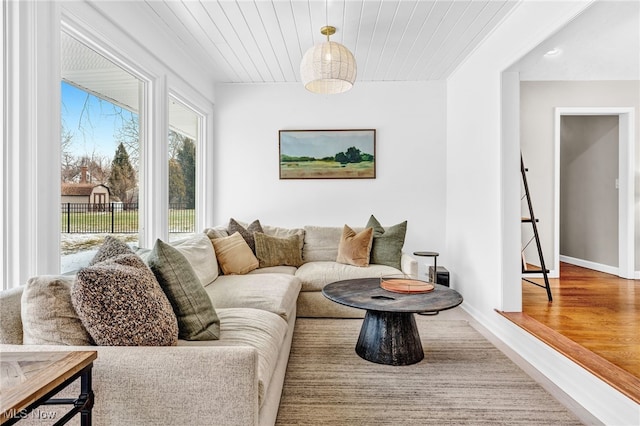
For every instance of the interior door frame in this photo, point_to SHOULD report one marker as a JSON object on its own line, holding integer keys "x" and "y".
{"x": 626, "y": 189}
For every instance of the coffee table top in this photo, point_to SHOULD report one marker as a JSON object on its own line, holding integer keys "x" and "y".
{"x": 366, "y": 293}
{"x": 27, "y": 376}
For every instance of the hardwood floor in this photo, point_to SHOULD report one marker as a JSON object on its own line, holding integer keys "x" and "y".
{"x": 598, "y": 312}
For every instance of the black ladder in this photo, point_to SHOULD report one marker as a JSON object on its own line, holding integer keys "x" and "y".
{"x": 533, "y": 221}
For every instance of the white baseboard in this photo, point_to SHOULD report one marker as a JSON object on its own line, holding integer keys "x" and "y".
{"x": 607, "y": 269}
{"x": 603, "y": 401}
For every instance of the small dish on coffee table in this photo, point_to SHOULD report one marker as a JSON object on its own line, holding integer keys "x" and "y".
{"x": 405, "y": 284}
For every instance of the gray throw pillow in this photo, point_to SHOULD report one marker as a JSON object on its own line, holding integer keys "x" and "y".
{"x": 111, "y": 248}
{"x": 197, "y": 319}
{"x": 246, "y": 233}
{"x": 387, "y": 243}
{"x": 120, "y": 303}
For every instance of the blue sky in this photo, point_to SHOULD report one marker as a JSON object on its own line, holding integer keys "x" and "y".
{"x": 93, "y": 122}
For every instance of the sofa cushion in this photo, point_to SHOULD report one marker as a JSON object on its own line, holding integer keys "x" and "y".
{"x": 387, "y": 243}
{"x": 48, "y": 316}
{"x": 197, "y": 319}
{"x": 315, "y": 275}
{"x": 275, "y": 293}
{"x": 120, "y": 303}
{"x": 287, "y": 270}
{"x": 234, "y": 255}
{"x": 110, "y": 248}
{"x": 354, "y": 247}
{"x": 321, "y": 243}
{"x": 200, "y": 254}
{"x": 246, "y": 232}
{"x": 260, "y": 329}
{"x": 275, "y": 251}
{"x": 198, "y": 249}
{"x": 219, "y": 231}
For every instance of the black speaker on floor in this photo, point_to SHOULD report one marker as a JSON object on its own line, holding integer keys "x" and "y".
{"x": 443, "y": 275}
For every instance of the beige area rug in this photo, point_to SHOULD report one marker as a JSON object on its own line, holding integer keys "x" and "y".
{"x": 463, "y": 379}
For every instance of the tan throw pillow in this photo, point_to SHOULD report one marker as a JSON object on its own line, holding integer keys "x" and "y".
{"x": 234, "y": 255}
{"x": 120, "y": 303}
{"x": 355, "y": 247}
{"x": 274, "y": 251}
{"x": 48, "y": 316}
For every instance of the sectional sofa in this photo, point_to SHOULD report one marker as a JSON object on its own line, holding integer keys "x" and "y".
{"x": 234, "y": 380}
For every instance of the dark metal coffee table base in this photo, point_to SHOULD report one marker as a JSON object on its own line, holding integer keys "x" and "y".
{"x": 390, "y": 338}
{"x": 389, "y": 334}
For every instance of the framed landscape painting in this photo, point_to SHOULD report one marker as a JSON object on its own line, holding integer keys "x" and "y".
{"x": 328, "y": 154}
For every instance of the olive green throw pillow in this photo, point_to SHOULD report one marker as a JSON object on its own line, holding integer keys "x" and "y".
{"x": 274, "y": 251}
{"x": 197, "y": 319}
{"x": 387, "y": 243}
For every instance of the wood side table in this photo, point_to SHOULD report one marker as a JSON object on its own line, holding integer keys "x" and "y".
{"x": 30, "y": 379}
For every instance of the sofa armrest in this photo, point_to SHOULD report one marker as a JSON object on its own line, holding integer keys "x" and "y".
{"x": 409, "y": 265}
{"x": 152, "y": 385}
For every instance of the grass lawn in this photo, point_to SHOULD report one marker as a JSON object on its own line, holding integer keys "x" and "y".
{"x": 121, "y": 222}
{"x": 326, "y": 170}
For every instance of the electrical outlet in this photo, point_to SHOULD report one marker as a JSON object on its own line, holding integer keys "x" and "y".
{"x": 617, "y": 183}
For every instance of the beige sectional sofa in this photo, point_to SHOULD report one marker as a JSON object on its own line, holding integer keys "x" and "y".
{"x": 236, "y": 380}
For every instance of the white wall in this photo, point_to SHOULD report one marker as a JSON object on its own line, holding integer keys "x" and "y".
{"x": 478, "y": 160}
{"x": 409, "y": 119}
{"x": 538, "y": 100}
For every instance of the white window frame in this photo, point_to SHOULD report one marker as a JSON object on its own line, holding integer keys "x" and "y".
{"x": 201, "y": 158}
{"x": 29, "y": 209}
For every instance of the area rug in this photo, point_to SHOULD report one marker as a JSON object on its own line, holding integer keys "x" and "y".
{"x": 463, "y": 379}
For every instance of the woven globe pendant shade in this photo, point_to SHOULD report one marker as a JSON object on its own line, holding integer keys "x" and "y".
{"x": 328, "y": 68}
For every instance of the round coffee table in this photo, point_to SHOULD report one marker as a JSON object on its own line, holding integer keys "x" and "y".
{"x": 389, "y": 334}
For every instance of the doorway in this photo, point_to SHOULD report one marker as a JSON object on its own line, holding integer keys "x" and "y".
{"x": 587, "y": 192}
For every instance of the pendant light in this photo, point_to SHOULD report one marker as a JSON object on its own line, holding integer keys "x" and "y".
{"x": 328, "y": 67}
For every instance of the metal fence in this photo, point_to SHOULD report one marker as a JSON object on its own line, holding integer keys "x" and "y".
{"x": 119, "y": 218}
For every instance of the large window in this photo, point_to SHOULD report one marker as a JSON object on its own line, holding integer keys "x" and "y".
{"x": 100, "y": 146}
{"x": 184, "y": 124}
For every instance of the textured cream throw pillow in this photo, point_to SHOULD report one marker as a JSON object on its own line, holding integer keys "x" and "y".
{"x": 355, "y": 247}
{"x": 48, "y": 316}
{"x": 234, "y": 255}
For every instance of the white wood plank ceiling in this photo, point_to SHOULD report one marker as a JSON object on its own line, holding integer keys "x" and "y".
{"x": 255, "y": 41}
